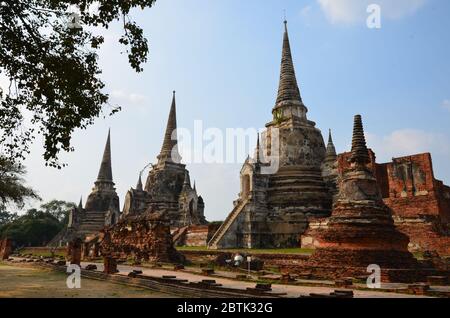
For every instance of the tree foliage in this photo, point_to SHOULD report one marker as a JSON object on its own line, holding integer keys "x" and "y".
{"x": 12, "y": 187}
{"x": 38, "y": 226}
{"x": 6, "y": 217}
{"x": 59, "y": 209}
{"x": 48, "y": 52}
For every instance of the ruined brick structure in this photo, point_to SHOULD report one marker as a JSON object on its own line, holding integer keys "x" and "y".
{"x": 361, "y": 229}
{"x": 274, "y": 205}
{"x": 194, "y": 235}
{"x": 420, "y": 203}
{"x": 5, "y": 248}
{"x": 168, "y": 186}
{"x": 146, "y": 237}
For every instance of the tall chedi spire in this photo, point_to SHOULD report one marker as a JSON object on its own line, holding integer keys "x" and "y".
{"x": 105, "y": 171}
{"x": 257, "y": 154}
{"x": 331, "y": 150}
{"x": 289, "y": 101}
{"x": 103, "y": 193}
{"x": 360, "y": 153}
{"x": 330, "y": 167}
{"x": 139, "y": 184}
{"x": 169, "y": 150}
{"x": 187, "y": 181}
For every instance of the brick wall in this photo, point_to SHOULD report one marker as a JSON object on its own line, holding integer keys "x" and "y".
{"x": 196, "y": 235}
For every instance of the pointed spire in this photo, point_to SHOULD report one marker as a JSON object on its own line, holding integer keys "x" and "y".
{"x": 105, "y": 172}
{"x": 360, "y": 153}
{"x": 80, "y": 204}
{"x": 139, "y": 184}
{"x": 195, "y": 188}
{"x": 288, "y": 88}
{"x": 169, "y": 149}
{"x": 187, "y": 179}
{"x": 331, "y": 150}
{"x": 258, "y": 149}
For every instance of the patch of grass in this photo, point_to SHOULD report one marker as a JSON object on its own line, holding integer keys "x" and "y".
{"x": 191, "y": 248}
{"x": 28, "y": 282}
{"x": 305, "y": 251}
{"x": 418, "y": 255}
{"x": 43, "y": 253}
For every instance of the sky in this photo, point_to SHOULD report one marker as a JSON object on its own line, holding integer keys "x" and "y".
{"x": 223, "y": 60}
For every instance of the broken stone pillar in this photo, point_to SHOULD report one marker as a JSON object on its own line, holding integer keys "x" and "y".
{"x": 85, "y": 251}
{"x": 5, "y": 249}
{"x": 74, "y": 251}
{"x": 110, "y": 265}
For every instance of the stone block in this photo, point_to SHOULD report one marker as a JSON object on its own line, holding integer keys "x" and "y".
{"x": 207, "y": 271}
{"x": 91, "y": 267}
{"x": 437, "y": 280}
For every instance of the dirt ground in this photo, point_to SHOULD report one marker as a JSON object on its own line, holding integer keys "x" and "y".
{"x": 28, "y": 282}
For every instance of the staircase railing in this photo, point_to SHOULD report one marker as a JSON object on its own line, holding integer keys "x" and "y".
{"x": 226, "y": 224}
{"x": 178, "y": 233}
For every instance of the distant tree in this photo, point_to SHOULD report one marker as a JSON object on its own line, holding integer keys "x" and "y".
{"x": 48, "y": 52}
{"x": 6, "y": 217}
{"x": 35, "y": 228}
{"x": 12, "y": 187}
{"x": 59, "y": 209}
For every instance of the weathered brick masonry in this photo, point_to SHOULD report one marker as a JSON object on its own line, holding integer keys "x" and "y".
{"x": 419, "y": 202}
{"x": 144, "y": 237}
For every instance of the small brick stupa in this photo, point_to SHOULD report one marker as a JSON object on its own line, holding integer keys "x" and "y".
{"x": 361, "y": 230}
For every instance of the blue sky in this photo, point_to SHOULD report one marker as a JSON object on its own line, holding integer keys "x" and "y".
{"x": 223, "y": 57}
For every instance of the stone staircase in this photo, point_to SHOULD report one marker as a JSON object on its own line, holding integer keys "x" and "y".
{"x": 296, "y": 183}
{"x": 92, "y": 222}
{"x": 178, "y": 234}
{"x": 212, "y": 244}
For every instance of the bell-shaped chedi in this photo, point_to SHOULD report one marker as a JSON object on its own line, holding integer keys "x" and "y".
{"x": 282, "y": 186}
{"x": 168, "y": 185}
{"x": 361, "y": 230}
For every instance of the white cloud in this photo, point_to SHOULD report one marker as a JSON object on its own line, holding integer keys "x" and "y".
{"x": 128, "y": 97}
{"x": 308, "y": 15}
{"x": 408, "y": 142}
{"x": 446, "y": 104}
{"x": 355, "y": 11}
{"x": 305, "y": 11}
